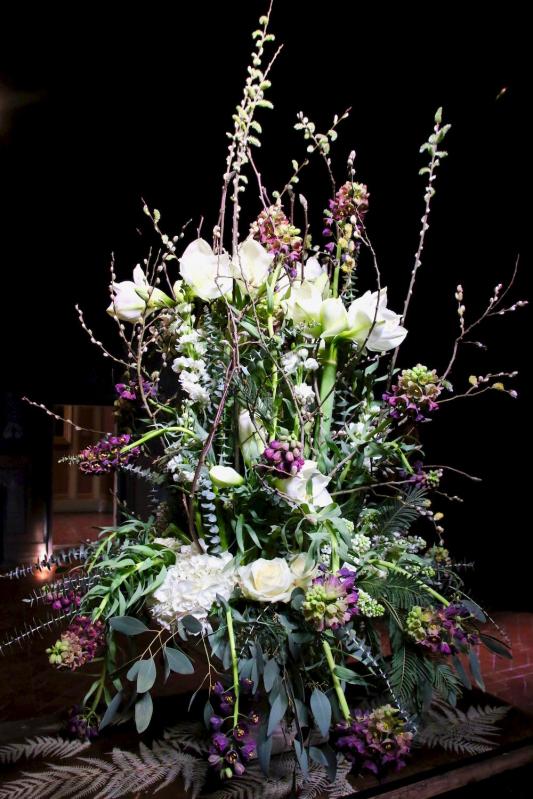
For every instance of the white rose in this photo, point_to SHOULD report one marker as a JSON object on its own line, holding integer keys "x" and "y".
{"x": 385, "y": 334}
{"x": 208, "y": 275}
{"x": 302, "y": 571}
{"x": 132, "y": 299}
{"x": 297, "y": 487}
{"x": 252, "y": 437}
{"x": 252, "y": 265}
{"x": 267, "y": 580}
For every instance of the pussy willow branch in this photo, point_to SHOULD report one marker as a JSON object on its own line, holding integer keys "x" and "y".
{"x": 492, "y": 309}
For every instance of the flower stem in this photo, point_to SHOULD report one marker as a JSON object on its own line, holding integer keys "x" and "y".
{"x": 274, "y": 373}
{"x": 327, "y": 397}
{"x": 234, "y": 664}
{"x": 393, "y": 567}
{"x": 335, "y": 562}
{"x": 100, "y": 689}
{"x": 161, "y": 431}
{"x": 343, "y": 704}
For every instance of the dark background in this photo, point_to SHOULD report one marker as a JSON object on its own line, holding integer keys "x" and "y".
{"x": 100, "y": 110}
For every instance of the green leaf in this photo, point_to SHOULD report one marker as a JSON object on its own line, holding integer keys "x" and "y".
{"x": 270, "y": 673}
{"x": 143, "y": 712}
{"x": 475, "y": 668}
{"x": 277, "y": 711}
{"x": 192, "y": 625}
{"x": 111, "y": 711}
{"x": 132, "y": 672}
{"x": 347, "y": 675}
{"x": 128, "y": 625}
{"x": 146, "y": 675}
{"x": 459, "y": 668}
{"x": 321, "y": 709}
{"x": 474, "y": 609}
{"x": 496, "y": 646}
{"x": 178, "y": 661}
{"x": 301, "y": 755}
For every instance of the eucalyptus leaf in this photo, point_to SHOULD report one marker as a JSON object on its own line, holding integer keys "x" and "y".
{"x": 111, "y": 711}
{"x": 277, "y": 711}
{"x": 146, "y": 675}
{"x": 321, "y": 710}
{"x": 178, "y": 661}
{"x": 144, "y": 709}
{"x": 128, "y": 625}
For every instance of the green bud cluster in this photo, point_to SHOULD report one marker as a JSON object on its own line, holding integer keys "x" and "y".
{"x": 369, "y": 606}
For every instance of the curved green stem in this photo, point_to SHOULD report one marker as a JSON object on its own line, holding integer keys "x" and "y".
{"x": 101, "y": 686}
{"x": 335, "y": 561}
{"x": 385, "y": 564}
{"x": 234, "y": 664}
{"x": 161, "y": 431}
{"x": 274, "y": 373}
{"x": 343, "y": 704}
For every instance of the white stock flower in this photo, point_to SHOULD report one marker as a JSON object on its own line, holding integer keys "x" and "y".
{"x": 385, "y": 334}
{"x": 190, "y": 587}
{"x": 132, "y": 299}
{"x": 252, "y": 437}
{"x": 252, "y": 265}
{"x": 225, "y": 476}
{"x": 190, "y": 384}
{"x": 297, "y": 487}
{"x": 302, "y": 571}
{"x": 208, "y": 275}
{"x": 267, "y": 580}
{"x": 304, "y": 394}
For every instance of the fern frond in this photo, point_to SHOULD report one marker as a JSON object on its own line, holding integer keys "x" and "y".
{"x": 408, "y": 673}
{"x": 399, "y": 515}
{"x": 41, "y": 746}
{"x": 470, "y": 732}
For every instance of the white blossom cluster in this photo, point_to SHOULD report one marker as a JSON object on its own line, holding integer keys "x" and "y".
{"x": 191, "y": 586}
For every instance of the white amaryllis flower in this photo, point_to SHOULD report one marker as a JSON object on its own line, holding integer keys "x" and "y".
{"x": 225, "y": 476}
{"x": 132, "y": 299}
{"x": 382, "y": 328}
{"x": 333, "y": 317}
{"x": 267, "y": 580}
{"x": 190, "y": 587}
{"x": 312, "y": 271}
{"x": 306, "y": 306}
{"x": 208, "y": 275}
{"x": 252, "y": 437}
{"x": 297, "y": 487}
{"x": 251, "y": 266}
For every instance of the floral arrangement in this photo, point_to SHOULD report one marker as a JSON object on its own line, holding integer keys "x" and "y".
{"x": 294, "y": 557}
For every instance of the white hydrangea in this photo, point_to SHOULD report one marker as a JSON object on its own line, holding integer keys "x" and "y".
{"x": 311, "y": 364}
{"x": 190, "y": 587}
{"x": 304, "y": 394}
